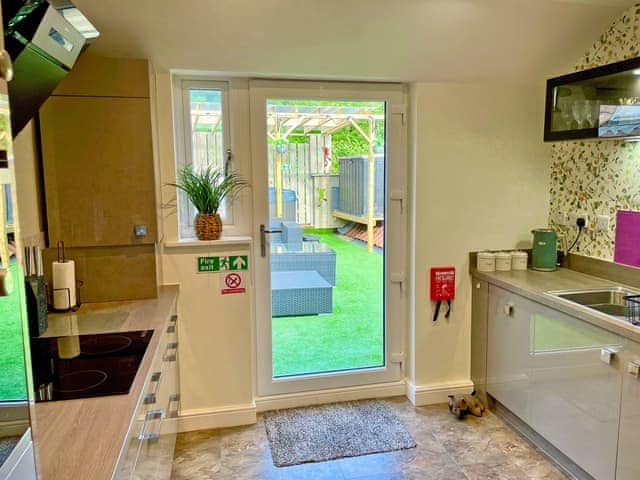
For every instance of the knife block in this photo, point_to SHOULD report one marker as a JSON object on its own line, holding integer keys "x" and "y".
{"x": 37, "y": 308}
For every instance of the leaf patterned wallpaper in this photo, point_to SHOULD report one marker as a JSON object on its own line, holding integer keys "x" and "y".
{"x": 596, "y": 176}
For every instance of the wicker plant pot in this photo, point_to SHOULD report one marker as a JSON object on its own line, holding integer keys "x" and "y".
{"x": 208, "y": 226}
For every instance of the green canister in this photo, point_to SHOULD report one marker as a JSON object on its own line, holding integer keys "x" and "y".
{"x": 544, "y": 253}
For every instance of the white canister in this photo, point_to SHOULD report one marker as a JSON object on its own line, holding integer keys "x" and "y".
{"x": 503, "y": 261}
{"x": 486, "y": 262}
{"x": 519, "y": 260}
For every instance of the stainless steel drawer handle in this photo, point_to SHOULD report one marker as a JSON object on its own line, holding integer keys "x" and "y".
{"x": 152, "y": 397}
{"x": 171, "y": 329}
{"x": 156, "y": 414}
{"x": 633, "y": 368}
{"x": 170, "y": 352}
{"x": 607, "y": 354}
{"x": 175, "y": 398}
{"x": 173, "y": 319}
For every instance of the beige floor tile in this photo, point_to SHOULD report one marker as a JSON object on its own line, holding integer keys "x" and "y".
{"x": 448, "y": 449}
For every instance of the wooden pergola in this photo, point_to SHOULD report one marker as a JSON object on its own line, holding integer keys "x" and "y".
{"x": 284, "y": 121}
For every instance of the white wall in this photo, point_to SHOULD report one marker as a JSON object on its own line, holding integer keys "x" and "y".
{"x": 481, "y": 182}
{"x": 215, "y": 331}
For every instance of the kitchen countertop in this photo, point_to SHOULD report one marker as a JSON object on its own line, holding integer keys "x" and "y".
{"x": 81, "y": 439}
{"x": 533, "y": 285}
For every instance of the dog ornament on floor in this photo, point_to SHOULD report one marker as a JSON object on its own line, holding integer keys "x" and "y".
{"x": 461, "y": 405}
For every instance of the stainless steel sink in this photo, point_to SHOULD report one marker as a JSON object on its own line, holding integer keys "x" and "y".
{"x": 608, "y": 300}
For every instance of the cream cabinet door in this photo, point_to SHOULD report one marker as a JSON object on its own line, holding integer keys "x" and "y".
{"x": 98, "y": 169}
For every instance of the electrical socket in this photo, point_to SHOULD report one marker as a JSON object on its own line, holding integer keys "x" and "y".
{"x": 573, "y": 219}
{"x": 560, "y": 218}
{"x": 602, "y": 223}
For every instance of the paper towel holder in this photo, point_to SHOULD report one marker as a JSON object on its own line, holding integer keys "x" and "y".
{"x": 75, "y": 308}
{"x": 63, "y": 259}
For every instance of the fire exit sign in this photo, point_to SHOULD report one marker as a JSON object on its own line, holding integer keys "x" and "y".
{"x": 223, "y": 264}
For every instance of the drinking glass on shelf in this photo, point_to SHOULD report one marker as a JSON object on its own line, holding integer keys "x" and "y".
{"x": 587, "y": 113}
{"x": 577, "y": 111}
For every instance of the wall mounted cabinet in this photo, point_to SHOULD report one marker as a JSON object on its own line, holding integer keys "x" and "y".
{"x": 99, "y": 179}
{"x": 574, "y": 101}
{"x": 98, "y": 169}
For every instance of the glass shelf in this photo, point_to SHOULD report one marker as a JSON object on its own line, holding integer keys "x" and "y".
{"x": 574, "y": 101}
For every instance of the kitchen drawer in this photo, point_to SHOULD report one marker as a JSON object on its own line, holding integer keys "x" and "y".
{"x": 150, "y": 442}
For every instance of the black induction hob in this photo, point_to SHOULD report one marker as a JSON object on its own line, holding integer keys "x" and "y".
{"x": 84, "y": 366}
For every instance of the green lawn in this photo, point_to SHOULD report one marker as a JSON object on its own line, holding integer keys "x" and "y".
{"x": 350, "y": 337}
{"x": 12, "y": 378}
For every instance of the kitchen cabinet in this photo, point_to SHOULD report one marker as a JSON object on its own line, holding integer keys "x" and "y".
{"x": 573, "y": 101}
{"x": 148, "y": 450}
{"x": 479, "y": 306}
{"x": 558, "y": 374}
{"x": 98, "y": 169}
{"x": 629, "y": 439}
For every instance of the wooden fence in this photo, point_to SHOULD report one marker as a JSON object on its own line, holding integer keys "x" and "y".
{"x": 208, "y": 148}
{"x": 299, "y": 163}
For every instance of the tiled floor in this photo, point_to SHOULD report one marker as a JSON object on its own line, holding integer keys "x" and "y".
{"x": 448, "y": 449}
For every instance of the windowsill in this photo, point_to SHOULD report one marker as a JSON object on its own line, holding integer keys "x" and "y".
{"x": 223, "y": 241}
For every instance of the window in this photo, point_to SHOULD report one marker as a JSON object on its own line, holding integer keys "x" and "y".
{"x": 202, "y": 137}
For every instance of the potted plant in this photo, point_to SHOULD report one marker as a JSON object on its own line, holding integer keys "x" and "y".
{"x": 281, "y": 144}
{"x": 206, "y": 188}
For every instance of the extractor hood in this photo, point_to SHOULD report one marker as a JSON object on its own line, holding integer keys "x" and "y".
{"x": 44, "y": 45}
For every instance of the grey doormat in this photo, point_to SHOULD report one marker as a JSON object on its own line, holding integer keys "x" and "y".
{"x": 7, "y": 445}
{"x": 326, "y": 432}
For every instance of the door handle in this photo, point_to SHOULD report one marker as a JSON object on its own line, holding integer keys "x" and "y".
{"x": 263, "y": 239}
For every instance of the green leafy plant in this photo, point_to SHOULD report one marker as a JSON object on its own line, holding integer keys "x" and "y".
{"x": 208, "y": 186}
{"x": 278, "y": 141}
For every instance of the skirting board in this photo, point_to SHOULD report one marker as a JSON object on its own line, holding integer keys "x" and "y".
{"x": 302, "y": 399}
{"x": 245, "y": 414}
{"x": 13, "y": 428}
{"x": 421, "y": 395}
{"x": 228, "y": 416}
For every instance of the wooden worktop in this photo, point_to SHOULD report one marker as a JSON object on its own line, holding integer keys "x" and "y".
{"x": 81, "y": 439}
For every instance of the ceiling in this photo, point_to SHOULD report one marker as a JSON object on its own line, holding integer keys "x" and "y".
{"x": 398, "y": 40}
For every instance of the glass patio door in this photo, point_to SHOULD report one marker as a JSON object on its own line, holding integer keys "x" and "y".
{"x": 328, "y": 187}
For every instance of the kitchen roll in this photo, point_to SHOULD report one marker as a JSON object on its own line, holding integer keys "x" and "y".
{"x": 64, "y": 277}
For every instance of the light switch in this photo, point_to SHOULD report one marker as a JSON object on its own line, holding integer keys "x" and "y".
{"x": 140, "y": 231}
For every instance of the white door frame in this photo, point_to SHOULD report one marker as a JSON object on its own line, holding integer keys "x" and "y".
{"x": 395, "y": 231}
